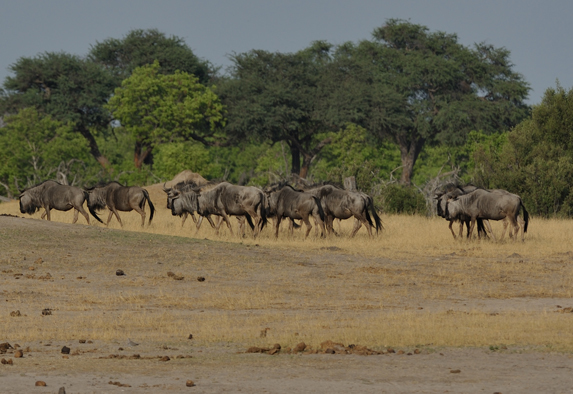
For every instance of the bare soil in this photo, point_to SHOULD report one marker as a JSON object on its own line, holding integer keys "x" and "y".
{"x": 82, "y": 262}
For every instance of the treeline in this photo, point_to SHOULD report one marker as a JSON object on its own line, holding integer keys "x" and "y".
{"x": 403, "y": 112}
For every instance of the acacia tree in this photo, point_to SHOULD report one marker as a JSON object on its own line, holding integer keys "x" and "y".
{"x": 157, "y": 108}
{"x": 68, "y": 88}
{"x": 418, "y": 87}
{"x": 281, "y": 97}
{"x": 145, "y": 46}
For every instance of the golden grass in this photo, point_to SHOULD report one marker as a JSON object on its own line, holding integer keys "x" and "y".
{"x": 406, "y": 287}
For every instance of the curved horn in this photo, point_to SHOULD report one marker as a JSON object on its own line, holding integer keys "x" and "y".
{"x": 165, "y": 189}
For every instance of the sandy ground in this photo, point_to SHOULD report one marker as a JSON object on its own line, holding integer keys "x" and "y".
{"x": 225, "y": 367}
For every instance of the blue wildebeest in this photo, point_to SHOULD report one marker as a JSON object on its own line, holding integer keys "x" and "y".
{"x": 117, "y": 197}
{"x": 342, "y": 204}
{"x": 222, "y": 199}
{"x": 181, "y": 187}
{"x": 452, "y": 191}
{"x": 283, "y": 201}
{"x": 491, "y": 205}
{"x": 53, "y": 195}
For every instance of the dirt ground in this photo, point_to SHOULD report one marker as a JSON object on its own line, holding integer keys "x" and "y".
{"x": 70, "y": 272}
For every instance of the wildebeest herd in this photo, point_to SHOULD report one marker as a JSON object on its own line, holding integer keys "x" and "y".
{"x": 323, "y": 203}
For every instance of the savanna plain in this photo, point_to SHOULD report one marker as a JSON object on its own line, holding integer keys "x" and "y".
{"x": 410, "y": 310}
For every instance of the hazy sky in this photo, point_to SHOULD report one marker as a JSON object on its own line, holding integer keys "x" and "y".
{"x": 539, "y": 34}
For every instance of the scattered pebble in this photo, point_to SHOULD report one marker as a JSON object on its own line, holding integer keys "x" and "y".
{"x": 18, "y": 354}
{"x": 119, "y": 273}
{"x": 201, "y": 279}
{"x": 41, "y": 383}
{"x": 455, "y": 371}
{"x": 190, "y": 383}
{"x": 65, "y": 350}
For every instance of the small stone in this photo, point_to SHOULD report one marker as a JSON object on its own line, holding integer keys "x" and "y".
{"x": 46, "y": 312}
{"x": 274, "y": 351}
{"x": 189, "y": 383}
{"x": 417, "y": 351}
{"x": 82, "y": 341}
{"x": 10, "y": 362}
{"x": 165, "y": 358}
{"x": 38, "y": 261}
{"x": 119, "y": 273}
{"x": 171, "y": 274}
{"x": 41, "y": 383}
{"x": 15, "y": 313}
{"x": 201, "y": 279}
{"x": 455, "y": 371}
{"x": 65, "y": 350}
{"x": 177, "y": 277}
{"x": 400, "y": 352}
{"x": 62, "y": 390}
{"x": 299, "y": 347}
{"x": 190, "y": 336}
{"x": 18, "y": 354}
{"x": 277, "y": 346}
{"x": 3, "y": 361}
{"x": 329, "y": 351}
{"x": 390, "y": 350}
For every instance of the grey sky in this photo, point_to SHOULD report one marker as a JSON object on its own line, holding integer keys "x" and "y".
{"x": 538, "y": 34}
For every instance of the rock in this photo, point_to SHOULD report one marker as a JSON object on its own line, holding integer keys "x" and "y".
{"x": 10, "y": 362}
{"x": 65, "y": 350}
{"x": 255, "y": 349}
{"x": 177, "y": 277}
{"x": 165, "y": 358}
{"x": 417, "y": 351}
{"x": 190, "y": 336}
{"x": 5, "y": 346}
{"x": 62, "y": 390}
{"x": 277, "y": 346}
{"x": 3, "y": 361}
{"x": 329, "y": 351}
{"x": 189, "y": 383}
{"x": 131, "y": 343}
{"x": 18, "y": 354}
{"x": 171, "y": 274}
{"x": 82, "y": 341}
{"x": 15, "y": 313}
{"x": 400, "y": 352}
{"x": 119, "y": 273}
{"x": 41, "y": 383}
{"x": 299, "y": 348}
{"x": 38, "y": 261}
{"x": 201, "y": 279}
{"x": 390, "y": 350}
{"x": 455, "y": 371}
{"x": 274, "y": 351}
{"x": 46, "y": 312}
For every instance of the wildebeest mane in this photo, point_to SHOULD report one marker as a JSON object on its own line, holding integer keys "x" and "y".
{"x": 39, "y": 184}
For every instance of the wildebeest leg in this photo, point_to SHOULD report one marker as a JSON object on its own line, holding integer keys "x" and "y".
{"x": 357, "y": 225}
{"x": 117, "y": 216}
{"x": 473, "y": 223}
{"x": 308, "y": 225}
{"x": 184, "y": 218}
{"x": 451, "y": 229}
{"x": 504, "y": 228}
{"x": 142, "y": 213}
{"x": 76, "y": 213}
{"x": 277, "y": 224}
{"x": 84, "y": 214}
{"x": 198, "y": 224}
{"x": 488, "y": 225}
{"x": 43, "y": 214}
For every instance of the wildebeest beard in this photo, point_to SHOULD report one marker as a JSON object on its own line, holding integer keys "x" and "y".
{"x": 30, "y": 208}
{"x": 97, "y": 199}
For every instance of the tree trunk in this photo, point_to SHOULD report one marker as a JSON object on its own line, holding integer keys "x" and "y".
{"x": 409, "y": 151}
{"x": 140, "y": 154}
{"x": 94, "y": 148}
{"x": 295, "y": 154}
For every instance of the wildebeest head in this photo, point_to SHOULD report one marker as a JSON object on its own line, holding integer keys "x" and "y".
{"x": 29, "y": 202}
{"x": 97, "y": 198}
{"x": 453, "y": 208}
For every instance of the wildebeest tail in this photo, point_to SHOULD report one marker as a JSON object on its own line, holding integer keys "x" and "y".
{"x": 262, "y": 204}
{"x": 377, "y": 219}
{"x": 91, "y": 208}
{"x": 151, "y": 207}
{"x": 525, "y": 217}
{"x": 250, "y": 221}
{"x": 320, "y": 210}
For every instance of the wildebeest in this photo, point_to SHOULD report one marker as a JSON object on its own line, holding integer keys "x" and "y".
{"x": 342, "y": 204}
{"x": 453, "y": 191}
{"x": 221, "y": 199}
{"x": 117, "y": 197}
{"x": 53, "y": 195}
{"x": 181, "y": 187}
{"x": 491, "y": 205}
{"x": 284, "y": 201}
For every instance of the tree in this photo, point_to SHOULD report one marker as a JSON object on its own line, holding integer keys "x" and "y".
{"x": 140, "y": 47}
{"x": 68, "y": 88}
{"x": 417, "y": 87}
{"x": 39, "y": 147}
{"x": 281, "y": 97}
{"x": 158, "y": 108}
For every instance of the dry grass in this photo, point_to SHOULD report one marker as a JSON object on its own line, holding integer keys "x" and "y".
{"x": 411, "y": 285}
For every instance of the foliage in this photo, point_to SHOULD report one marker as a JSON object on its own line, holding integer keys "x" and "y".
{"x": 536, "y": 161}
{"x": 396, "y": 198}
{"x": 157, "y": 108}
{"x": 68, "y": 88}
{"x": 141, "y": 47}
{"x": 40, "y": 147}
{"x": 281, "y": 97}
{"x": 418, "y": 87}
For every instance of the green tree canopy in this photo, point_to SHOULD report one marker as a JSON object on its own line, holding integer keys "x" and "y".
{"x": 157, "y": 108}
{"x": 68, "y": 88}
{"x": 536, "y": 161}
{"x": 39, "y": 147}
{"x": 418, "y": 87}
{"x": 281, "y": 97}
{"x": 140, "y": 47}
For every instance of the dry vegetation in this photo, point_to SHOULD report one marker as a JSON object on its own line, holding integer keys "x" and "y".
{"x": 413, "y": 285}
